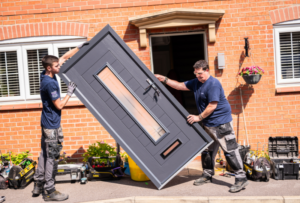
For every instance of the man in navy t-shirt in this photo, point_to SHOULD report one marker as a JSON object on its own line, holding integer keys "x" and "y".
{"x": 215, "y": 116}
{"x": 52, "y": 136}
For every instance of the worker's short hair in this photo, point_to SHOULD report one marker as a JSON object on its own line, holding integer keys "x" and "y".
{"x": 201, "y": 64}
{"x": 48, "y": 60}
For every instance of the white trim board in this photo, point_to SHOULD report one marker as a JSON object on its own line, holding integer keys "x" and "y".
{"x": 39, "y": 39}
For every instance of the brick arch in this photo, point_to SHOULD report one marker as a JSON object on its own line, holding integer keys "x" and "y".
{"x": 43, "y": 29}
{"x": 285, "y": 14}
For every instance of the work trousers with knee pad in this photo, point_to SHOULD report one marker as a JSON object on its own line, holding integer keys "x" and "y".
{"x": 229, "y": 146}
{"x": 50, "y": 151}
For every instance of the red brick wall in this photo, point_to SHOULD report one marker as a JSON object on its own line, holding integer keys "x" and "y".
{"x": 20, "y": 130}
{"x": 267, "y": 112}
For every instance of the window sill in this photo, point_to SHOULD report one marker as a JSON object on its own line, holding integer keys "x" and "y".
{"x": 34, "y": 105}
{"x": 287, "y": 89}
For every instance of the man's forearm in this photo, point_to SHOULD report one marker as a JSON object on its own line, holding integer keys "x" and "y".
{"x": 172, "y": 83}
{"x": 176, "y": 85}
{"x": 208, "y": 110}
{"x": 63, "y": 102}
{"x": 68, "y": 55}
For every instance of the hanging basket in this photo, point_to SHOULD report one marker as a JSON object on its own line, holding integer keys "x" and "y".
{"x": 252, "y": 79}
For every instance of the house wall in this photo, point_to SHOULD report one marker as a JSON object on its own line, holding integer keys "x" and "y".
{"x": 267, "y": 113}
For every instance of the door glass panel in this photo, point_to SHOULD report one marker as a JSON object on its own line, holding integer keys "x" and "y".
{"x": 132, "y": 105}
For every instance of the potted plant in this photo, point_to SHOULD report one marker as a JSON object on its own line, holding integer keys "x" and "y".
{"x": 16, "y": 159}
{"x": 252, "y": 74}
{"x": 100, "y": 149}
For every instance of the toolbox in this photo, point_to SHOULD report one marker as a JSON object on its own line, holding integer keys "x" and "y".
{"x": 70, "y": 172}
{"x": 283, "y": 152}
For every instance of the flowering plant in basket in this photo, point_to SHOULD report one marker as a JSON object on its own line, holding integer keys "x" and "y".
{"x": 252, "y": 70}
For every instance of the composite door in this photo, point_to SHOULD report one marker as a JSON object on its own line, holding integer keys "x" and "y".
{"x": 134, "y": 107}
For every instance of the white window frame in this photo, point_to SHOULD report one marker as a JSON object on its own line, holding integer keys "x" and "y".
{"x": 56, "y": 46}
{"x": 23, "y": 44}
{"x": 24, "y": 52}
{"x": 286, "y": 27}
{"x": 21, "y": 74}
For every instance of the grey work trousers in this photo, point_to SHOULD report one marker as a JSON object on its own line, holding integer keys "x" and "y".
{"x": 230, "y": 148}
{"x": 50, "y": 150}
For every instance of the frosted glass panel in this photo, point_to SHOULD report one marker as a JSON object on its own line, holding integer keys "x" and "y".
{"x": 131, "y": 103}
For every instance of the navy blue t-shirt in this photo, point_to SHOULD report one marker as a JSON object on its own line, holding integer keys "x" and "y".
{"x": 49, "y": 90}
{"x": 207, "y": 92}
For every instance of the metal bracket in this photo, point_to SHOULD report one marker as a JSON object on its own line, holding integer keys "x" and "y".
{"x": 151, "y": 84}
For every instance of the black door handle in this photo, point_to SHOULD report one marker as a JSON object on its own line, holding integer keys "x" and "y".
{"x": 151, "y": 84}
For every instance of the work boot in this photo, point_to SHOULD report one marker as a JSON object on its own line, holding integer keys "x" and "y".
{"x": 203, "y": 179}
{"x": 239, "y": 184}
{"x": 56, "y": 196}
{"x": 38, "y": 188}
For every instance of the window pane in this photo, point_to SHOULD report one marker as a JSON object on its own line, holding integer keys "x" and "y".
{"x": 61, "y": 52}
{"x": 35, "y": 68}
{"x": 9, "y": 74}
{"x": 131, "y": 103}
{"x": 296, "y": 54}
{"x": 290, "y": 55}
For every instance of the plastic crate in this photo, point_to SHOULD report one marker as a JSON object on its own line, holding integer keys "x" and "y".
{"x": 283, "y": 152}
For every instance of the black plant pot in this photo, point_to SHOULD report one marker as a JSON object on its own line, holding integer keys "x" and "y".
{"x": 252, "y": 79}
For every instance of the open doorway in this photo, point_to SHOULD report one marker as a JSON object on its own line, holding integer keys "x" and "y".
{"x": 174, "y": 56}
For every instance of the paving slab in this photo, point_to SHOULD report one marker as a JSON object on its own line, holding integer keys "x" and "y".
{"x": 180, "y": 186}
{"x": 291, "y": 199}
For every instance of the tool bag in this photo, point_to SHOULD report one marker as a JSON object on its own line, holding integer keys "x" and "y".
{"x": 261, "y": 170}
{"x": 3, "y": 184}
{"x": 21, "y": 175}
{"x": 257, "y": 165}
{"x": 13, "y": 178}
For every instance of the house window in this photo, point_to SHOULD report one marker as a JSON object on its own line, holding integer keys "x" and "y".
{"x": 21, "y": 66}
{"x": 287, "y": 54}
{"x": 35, "y": 68}
{"x": 9, "y": 74}
{"x": 61, "y": 52}
{"x": 290, "y": 55}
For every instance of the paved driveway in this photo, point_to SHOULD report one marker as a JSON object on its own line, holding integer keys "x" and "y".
{"x": 181, "y": 185}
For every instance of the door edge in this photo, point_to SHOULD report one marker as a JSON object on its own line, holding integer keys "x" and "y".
{"x": 170, "y": 178}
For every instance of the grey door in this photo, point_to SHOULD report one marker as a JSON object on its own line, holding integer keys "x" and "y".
{"x": 134, "y": 107}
